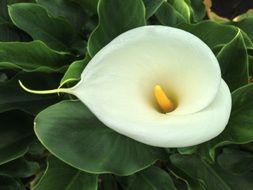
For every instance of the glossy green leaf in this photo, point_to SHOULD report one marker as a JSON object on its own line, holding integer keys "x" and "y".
{"x": 88, "y": 4}
{"x": 73, "y": 134}
{"x": 168, "y": 16}
{"x": 152, "y": 6}
{"x": 8, "y": 33}
{"x": 236, "y": 161}
{"x": 20, "y": 168}
{"x": 246, "y": 26}
{"x": 16, "y": 135}
{"x": 211, "y": 176}
{"x": 29, "y": 56}
{"x": 187, "y": 150}
{"x": 108, "y": 181}
{"x": 198, "y": 8}
{"x": 251, "y": 66}
{"x": 59, "y": 175}
{"x": 152, "y": 178}
{"x": 239, "y": 129}
{"x": 245, "y": 22}
{"x": 213, "y": 34}
{"x": 111, "y": 23}
{"x": 75, "y": 70}
{"x": 67, "y": 10}
{"x": 233, "y": 60}
{"x": 12, "y": 96}
{"x": 3, "y": 77}
{"x": 34, "y": 20}
{"x": 183, "y": 181}
{"x": 9, "y": 183}
{"x": 174, "y": 12}
{"x": 4, "y": 17}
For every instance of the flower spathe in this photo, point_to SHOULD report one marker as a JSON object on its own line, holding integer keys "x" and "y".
{"x": 159, "y": 85}
{"x": 117, "y": 86}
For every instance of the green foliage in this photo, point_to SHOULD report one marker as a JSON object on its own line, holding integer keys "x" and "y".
{"x": 48, "y": 43}
{"x": 13, "y": 97}
{"x": 32, "y": 56}
{"x": 16, "y": 134}
{"x": 211, "y": 176}
{"x": 233, "y": 61}
{"x": 111, "y": 23}
{"x": 151, "y": 178}
{"x": 35, "y": 20}
{"x": 70, "y": 178}
{"x": 63, "y": 126}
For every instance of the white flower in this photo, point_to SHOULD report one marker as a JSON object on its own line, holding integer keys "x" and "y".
{"x": 159, "y": 85}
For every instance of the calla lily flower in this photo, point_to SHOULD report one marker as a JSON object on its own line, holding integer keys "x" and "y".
{"x": 159, "y": 85}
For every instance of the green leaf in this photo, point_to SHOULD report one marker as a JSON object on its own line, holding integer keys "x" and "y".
{"x": 246, "y": 26}
{"x": 10, "y": 33}
{"x": 167, "y": 15}
{"x": 151, "y": 178}
{"x": 198, "y": 8}
{"x": 233, "y": 60}
{"x": 245, "y": 22}
{"x": 211, "y": 176}
{"x": 184, "y": 182}
{"x": 250, "y": 65}
{"x": 67, "y": 10}
{"x": 16, "y": 135}
{"x": 75, "y": 70}
{"x": 182, "y": 8}
{"x": 174, "y": 12}
{"x": 107, "y": 182}
{"x": 35, "y": 21}
{"x": 73, "y": 134}
{"x": 29, "y": 56}
{"x": 213, "y": 34}
{"x": 236, "y": 161}
{"x": 187, "y": 150}
{"x": 239, "y": 129}
{"x": 152, "y": 6}
{"x": 3, "y": 77}
{"x": 88, "y": 4}
{"x": 4, "y": 17}
{"x": 12, "y": 96}
{"x": 59, "y": 175}
{"x": 20, "y": 168}
{"x": 111, "y": 23}
{"x": 9, "y": 183}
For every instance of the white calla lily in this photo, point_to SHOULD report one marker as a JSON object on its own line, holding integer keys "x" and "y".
{"x": 126, "y": 83}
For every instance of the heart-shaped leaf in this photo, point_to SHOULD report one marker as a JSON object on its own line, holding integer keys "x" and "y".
{"x": 150, "y": 179}
{"x": 152, "y": 6}
{"x": 20, "y": 168}
{"x": 31, "y": 56}
{"x": 236, "y": 161}
{"x": 9, "y": 183}
{"x": 15, "y": 135}
{"x": 34, "y": 20}
{"x": 59, "y": 175}
{"x": 111, "y": 23}
{"x": 211, "y": 176}
{"x": 233, "y": 60}
{"x": 73, "y": 134}
{"x": 12, "y": 96}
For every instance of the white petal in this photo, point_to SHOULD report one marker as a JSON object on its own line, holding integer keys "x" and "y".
{"x": 124, "y": 73}
{"x": 175, "y": 131}
{"x": 117, "y": 86}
